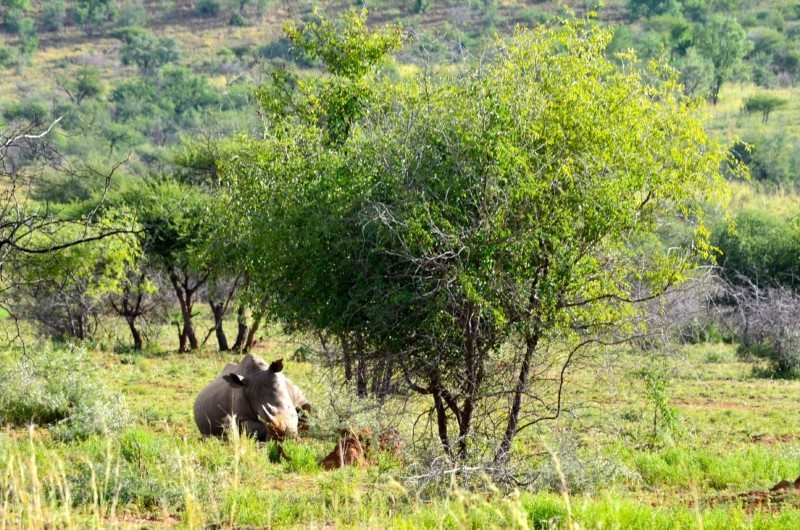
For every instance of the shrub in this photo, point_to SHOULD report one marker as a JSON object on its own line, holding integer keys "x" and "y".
{"x": 763, "y": 103}
{"x": 53, "y": 13}
{"x": 236, "y": 20}
{"x": 32, "y": 112}
{"x": 761, "y": 249}
{"x": 6, "y": 56}
{"x": 208, "y": 8}
{"x": 772, "y": 157}
{"x": 133, "y": 13}
{"x": 769, "y": 328}
{"x": 57, "y": 387}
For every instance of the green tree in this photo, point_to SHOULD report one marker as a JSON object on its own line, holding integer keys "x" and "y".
{"x": 351, "y": 54}
{"x": 176, "y": 222}
{"x": 474, "y": 218}
{"x": 93, "y": 15}
{"x": 761, "y": 248}
{"x": 53, "y": 14}
{"x": 650, "y": 8}
{"x": 85, "y": 83}
{"x": 146, "y": 51}
{"x": 763, "y": 103}
{"x": 64, "y": 290}
{"x": 723, "y": 41}
{"x": 675, "y": 32}
{"x": 697, "y": 73}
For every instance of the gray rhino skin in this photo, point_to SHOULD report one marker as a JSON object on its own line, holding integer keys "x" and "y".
{"x": 252, "y": 364}
{"x": 260, "y": 402}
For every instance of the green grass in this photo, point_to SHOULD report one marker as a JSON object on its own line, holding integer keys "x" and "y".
{"x": 736, "y": 434}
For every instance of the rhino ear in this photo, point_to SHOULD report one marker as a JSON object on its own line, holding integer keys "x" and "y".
{"x": 236, "y": 380}
{"x": 276, "y": 366}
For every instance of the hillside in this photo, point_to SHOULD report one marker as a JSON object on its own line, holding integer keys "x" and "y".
{"x": 226, "y": 49}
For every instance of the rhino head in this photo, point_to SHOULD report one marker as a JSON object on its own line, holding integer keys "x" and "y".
{"x": 269, "y": 399}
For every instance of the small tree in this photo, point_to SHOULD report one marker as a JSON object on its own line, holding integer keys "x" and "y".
{"x": 64, "y": 290}
{"x": 697, "y": 73}
{"x": 760, "y": 270}
{"x": 468, "y": 222}
{"x": 93, "y": 15}
{"x": 723, "y": 41}
{"x": 53, "y": 14}
{"x": 763, "y": 103}
{"x": 146, "y": 51}
{"x": 83, "y": 85}
{"x": 175, "y": 218}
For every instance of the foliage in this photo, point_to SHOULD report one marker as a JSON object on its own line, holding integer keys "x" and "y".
{"x": 724, "y": 42}
{"x": 650, "y": 8}
{"x": 57, "y": 387}
{"x": 208, "y": 8}
{"x": 93, "y": 15}
{"x": 764, "y": 103}
{"x": 759, "y": 248}
{"x": 351, "y": 54}
{"x": 772, "y": 157}
{"x": 85, "y": 84}
{"x": 53, "y": 14}
{"x": 697, "y": 73}
{"x": 462, "y": 213}
{"x": 143, "y": 49}
{"x": 62, "y": 290}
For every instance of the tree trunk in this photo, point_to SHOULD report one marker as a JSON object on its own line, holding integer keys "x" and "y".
{"x": 522, "y": 386}
{"x": 241, "y": 334}
{"x": 218, "y": 310}
{"x": 381, "y": 378}
{"x": 135, "y": 333}
{"x": 181, "y": 338}
{"x": 347, "y": 355}
{"x": 361, "y": 367}
{"x": 473, "y": 379}
{"x": 184, "y": 295}
{"x": 441, "y": 421}
{"x": 717, "y": 85}
{"x": 251, "y": 335}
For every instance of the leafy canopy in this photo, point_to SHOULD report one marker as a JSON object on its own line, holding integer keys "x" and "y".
{"x": 477, "y": 186}
{"x": 469, "y": 207}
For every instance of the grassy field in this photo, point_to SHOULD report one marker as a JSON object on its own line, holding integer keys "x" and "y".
{"x": 733, "y": 433}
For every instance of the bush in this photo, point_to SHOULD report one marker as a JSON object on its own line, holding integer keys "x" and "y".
{"x": 32, "y": 112}
{"x": 208, "y": 8}
{"x": 133, "y": 13}
{"x": 769, "y": 328}
{"x": 760, "y": 250}
{"x": 6, "y": 56}
{"x": 57, "y": 387}
{"x": 764, "y": 103}
{"x": 53, "y": 13}
{"x": 772, "y": 158}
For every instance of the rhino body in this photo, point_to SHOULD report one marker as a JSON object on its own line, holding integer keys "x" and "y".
{"x": 260, "y": 400}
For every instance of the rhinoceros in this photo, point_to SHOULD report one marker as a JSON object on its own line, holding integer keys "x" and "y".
{"x": 252, "y": 364}
{"x": 260, "y": 401}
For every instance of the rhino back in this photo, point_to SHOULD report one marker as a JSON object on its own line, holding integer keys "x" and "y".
{"x": 214, "y": 404}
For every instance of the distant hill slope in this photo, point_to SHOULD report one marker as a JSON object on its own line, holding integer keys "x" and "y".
{"x": 198, "y": 59}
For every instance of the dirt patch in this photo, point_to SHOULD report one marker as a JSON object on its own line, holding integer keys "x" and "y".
{"x": 768, "y": 439}
{"x": 781, "y": 494}
{"x": 711, "y": 404}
